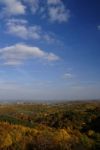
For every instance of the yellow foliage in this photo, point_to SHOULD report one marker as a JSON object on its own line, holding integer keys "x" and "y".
{"x": 5, "y": 140}
{"x": 90, "y": 133}
{"x": 40, "y": 136}
{"x": 62, "y": 135}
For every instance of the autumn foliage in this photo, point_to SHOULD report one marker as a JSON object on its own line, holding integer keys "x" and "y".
{"x": 50, "y": 127}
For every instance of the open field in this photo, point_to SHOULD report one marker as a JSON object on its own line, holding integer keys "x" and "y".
{"x": 61, "y": 126}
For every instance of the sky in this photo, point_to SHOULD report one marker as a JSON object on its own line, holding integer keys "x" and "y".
{"x": 49, "y": 49}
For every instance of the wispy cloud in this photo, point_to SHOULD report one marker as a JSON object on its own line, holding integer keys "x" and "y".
{"x": 17, "y": 28}
{"x": 54, "y": 2}
{"x": 53, "y": 10}
{"x": 98, "y": 27}
{"x": 57, "y": 11}
{"x": 32, "y": 4}
{"x": 68, "y": 75}
{"x": 13, "y": 7}
{"x": 18, "y": 53}
{"x": 20, "y": 28}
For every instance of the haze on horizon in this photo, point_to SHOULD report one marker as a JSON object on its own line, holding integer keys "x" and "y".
{"x": 49, "y": 49}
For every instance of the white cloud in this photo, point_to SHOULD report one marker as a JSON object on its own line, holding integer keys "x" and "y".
{"x": 33, "y": 5}
{"x": 35, "y": 32}
{"x": 54, "y": 10}
{"x": 17, "y": 21}
{"x": 20, "y": 28}
{"x": 53, "y": 2}
{"x": 18, "y": 53}
{"x": 17, "y": 30}
{"x": 67, "y": 76}
{"x": 98, "y": 27}
{"x": 13, "y": 7}
{"x": 58, "y": 14}
{"x": 57, "y": 11}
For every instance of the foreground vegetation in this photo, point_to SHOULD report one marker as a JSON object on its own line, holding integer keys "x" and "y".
{"x": 67, "y": 126}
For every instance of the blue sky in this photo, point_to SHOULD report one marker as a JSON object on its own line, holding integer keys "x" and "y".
{"x": 49, "y": 49}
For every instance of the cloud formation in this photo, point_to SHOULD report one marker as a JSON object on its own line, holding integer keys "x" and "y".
{"x": 32, "y": 4}
{"x": 13, "y": 7}
{"x": 20, "y": 28}
{"x": 16, "y": 54}
{"x": 98, "y": 27}
{"x": 17, "y": 28}
{"x": 54, "y": 2}
{"x": 67, "y": 76}
{"x": 57, "y": 11}
{"x": 53, "y": 10}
